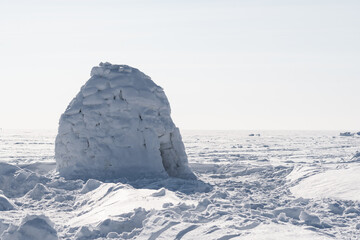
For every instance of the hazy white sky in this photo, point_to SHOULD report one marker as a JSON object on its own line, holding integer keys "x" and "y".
{"x": 242, "y": 64}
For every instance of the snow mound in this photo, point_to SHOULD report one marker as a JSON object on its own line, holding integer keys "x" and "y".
{"x": 32, "y": 227}
{"x": 119, "y": 125}
{"x": 38, "y": 192}
{"x": 329, "y": 185}
{"x": 112, "y": 200}
{"x": 124, "y": 227}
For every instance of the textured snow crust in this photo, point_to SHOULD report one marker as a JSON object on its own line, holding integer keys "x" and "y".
{"x": 119, "y": 125}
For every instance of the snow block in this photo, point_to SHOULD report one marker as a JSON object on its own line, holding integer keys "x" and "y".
{"x": 119, "y": 125}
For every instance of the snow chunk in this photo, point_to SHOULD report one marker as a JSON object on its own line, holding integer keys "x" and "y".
{"x": 85, "y": 233}
{"x": 293, "y": 212}
{"x": 90, "y": 185}
{"x": 32, "y": 227}
{"x": 309, "y": 219}
{"x": 119, "y": 125}
{"x": 5, "y": 204}
{"x": 38, "y": 192}
{"x": 160, "y": 193}
{"x": 336, "y": 208}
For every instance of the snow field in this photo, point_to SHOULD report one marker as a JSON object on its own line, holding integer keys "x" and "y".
{"x": 245, "y": 190}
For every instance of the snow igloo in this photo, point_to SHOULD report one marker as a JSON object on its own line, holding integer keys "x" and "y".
{"x": 119, "y": 125}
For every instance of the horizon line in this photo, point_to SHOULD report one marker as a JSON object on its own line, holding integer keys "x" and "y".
{"x": 188, "y": 129}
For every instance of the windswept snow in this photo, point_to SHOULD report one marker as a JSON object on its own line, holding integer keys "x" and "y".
{"x": 123, "y": 198}
{"x": 282, "y": 231}
{"x": 119, "y": 125}
{"x": 341, "y": 184}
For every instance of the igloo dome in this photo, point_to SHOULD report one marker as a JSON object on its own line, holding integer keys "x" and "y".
{"x": 119, "y": 125}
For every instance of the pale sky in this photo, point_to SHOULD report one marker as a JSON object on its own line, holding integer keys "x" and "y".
{"x": 242, "y": 64}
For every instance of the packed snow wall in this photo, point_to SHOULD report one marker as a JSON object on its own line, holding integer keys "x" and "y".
{"x": 119, "y": 125}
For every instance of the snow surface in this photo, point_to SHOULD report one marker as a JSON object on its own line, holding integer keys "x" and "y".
{"x": 331, "y": 184}
{"x": 282, "y": 231}
{"x": 245, "y": 190}
{"x": 119, "y": 125}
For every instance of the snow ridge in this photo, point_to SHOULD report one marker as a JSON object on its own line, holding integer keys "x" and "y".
{"x": 119, "y": 125}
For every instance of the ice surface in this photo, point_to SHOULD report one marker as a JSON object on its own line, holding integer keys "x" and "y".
{"x": 119, "y": 125}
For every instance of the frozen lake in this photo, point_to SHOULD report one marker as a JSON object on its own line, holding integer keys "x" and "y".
{"x": 273, "y": 185}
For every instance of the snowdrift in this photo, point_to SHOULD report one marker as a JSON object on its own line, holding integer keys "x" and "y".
{"x": 335, "y": 183}
{"x": 119, "y": 125}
